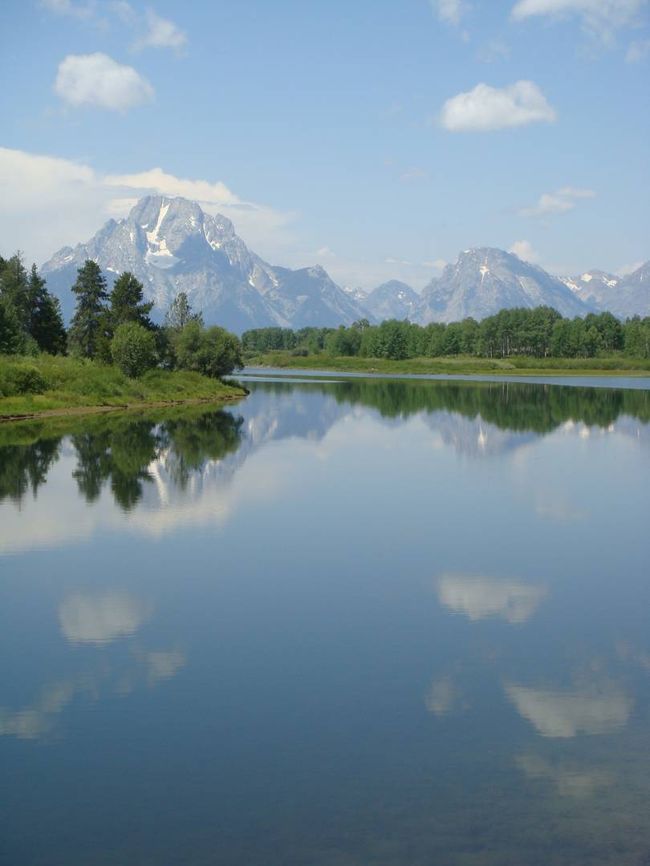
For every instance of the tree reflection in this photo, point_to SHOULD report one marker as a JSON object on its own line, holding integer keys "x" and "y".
{"x": 117, "y": 452}
{"x": 517, "y": 406}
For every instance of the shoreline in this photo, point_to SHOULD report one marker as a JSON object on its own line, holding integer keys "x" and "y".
{"x": 73, "y": 411}
{"x": 413, "y": 367}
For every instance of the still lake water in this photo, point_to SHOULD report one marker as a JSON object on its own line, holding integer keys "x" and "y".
{"x": 357, "y": 622}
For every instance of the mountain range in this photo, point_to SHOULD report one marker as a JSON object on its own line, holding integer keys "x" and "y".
{"x": 172, "y": 245}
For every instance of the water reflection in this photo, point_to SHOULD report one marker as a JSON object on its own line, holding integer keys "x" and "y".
{"x": 99, "y": 619}
{"x": 596, "y": 708}
{"x": 567, "y": 779}
{"x": 240, "y": 607}
{"x": 481, "y": 597}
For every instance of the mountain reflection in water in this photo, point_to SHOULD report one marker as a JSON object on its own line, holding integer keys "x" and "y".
{"x": 347, "y": 622}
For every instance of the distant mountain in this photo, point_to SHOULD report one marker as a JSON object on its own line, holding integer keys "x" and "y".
{"x": 356, "y": 294}
{"x": 171, "y": 245}
{"x": 624, "y": 296}
{"x": 393, "y": 300}
{"x": 485, "y": 280}
{"x": 309, "y": 297}
{"x": 592, "y": 287}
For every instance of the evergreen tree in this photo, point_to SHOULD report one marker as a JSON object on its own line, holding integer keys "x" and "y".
{"x": 45, "y": 319}
{"x": 88, "y": 326}
{"x": 127, "y": 303}
{"x": 12, "y": 336}
{"x": 14, "y": 288}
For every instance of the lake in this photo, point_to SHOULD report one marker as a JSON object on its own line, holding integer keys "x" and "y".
{"x": 342, "y": 622}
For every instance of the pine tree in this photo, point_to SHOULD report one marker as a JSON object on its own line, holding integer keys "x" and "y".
{"x": 45, "y": 321}
{"x": 127, "y": 303}
{"x": 87, "y": 329}
{"x": 14, "y": 288}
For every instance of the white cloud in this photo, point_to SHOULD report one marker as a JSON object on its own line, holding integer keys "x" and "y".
{"x": 50, "y": 202}
{"x": 157, "y": 180}
{"x": 449, "y": 11}
{"x": 70, "y": 9}
{"x": 558, "y": 202}
{"x": 481, "y": 597}
{"x": 161, "y": 33}
{"x": 525, "y": 251}
{"x": 638, "y": 51}
{"x": 599, "y": 18}
{"x": 98, "y": 80}
{"x": 486, "y": 108}
{"x": 99, "y": 619}
{"x": 600, "y": 708}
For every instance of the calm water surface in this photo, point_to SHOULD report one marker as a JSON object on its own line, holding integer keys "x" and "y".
{"x": 357, "y": 622}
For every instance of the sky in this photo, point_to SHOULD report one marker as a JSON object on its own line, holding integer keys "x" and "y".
{"x": 377, "y": 138}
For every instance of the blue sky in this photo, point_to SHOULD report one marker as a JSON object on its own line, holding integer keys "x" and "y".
{"x": 376, "y": 138}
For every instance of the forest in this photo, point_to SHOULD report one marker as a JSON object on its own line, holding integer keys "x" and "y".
{"x": 540, "y": 332}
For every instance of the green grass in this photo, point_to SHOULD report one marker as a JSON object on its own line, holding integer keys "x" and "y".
{"x": 460, "y": 364}
{"x": 30, "y": 386}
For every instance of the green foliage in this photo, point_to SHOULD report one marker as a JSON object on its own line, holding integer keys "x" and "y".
{"x": 133, "y": 349}
{"x": 21, "y": 379}
{"x": 520, "y": 332}
{"x": 68, "y": 382}
{"x": 30, "y": 318}
{"x": 127, "y": 303}
{"x": 180, "y": 313}
{"x": 45, "y": 319}
{"x": 89, "y": 324}
{"x": 115, "y": 451}
{"x": 210, "y": 351}
{"x": 12, "y": 336}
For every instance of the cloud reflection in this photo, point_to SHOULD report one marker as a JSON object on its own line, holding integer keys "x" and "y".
{"x": 601, "y": 708}
{"x": 568, "y": 780}
{"x": 481, "y": 597}
{"x": 100, "y": 618}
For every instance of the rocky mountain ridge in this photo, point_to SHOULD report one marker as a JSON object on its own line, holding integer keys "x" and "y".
{"x": 172, "y": 245}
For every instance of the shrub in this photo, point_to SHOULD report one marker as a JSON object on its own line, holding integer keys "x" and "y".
{"x": 133, "y": 349}
{"x": 211, "y": 351}
{"x": 16, "y": 380}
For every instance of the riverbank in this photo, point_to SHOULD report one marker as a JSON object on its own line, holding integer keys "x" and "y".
{"x": 458, "y": 365}
{"x": 47, "y": 386}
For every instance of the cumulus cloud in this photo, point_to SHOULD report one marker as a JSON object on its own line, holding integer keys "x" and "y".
{"x": 525, "y": 251}
{"x": 161, "y": 33}
{"x": 481, "y": 597}
{"x": 99, "y": 619}
{"x": 487, "y": 108}
{"x": 449, "y": 11}
{"x": 51, "y": 202}
{"x": 558, "y": 202}
{"x": 98, "y": 80}
{"x": 600, "y": 18}
{"x": 598, "y": 709}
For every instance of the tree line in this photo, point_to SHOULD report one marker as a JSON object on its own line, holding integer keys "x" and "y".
{"x": 540, "y": 332}
{"x": 113, "y": 327}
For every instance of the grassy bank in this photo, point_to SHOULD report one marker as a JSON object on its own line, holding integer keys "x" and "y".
{"x": 56, "y": 385}
{"x": 460, "y": 365}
